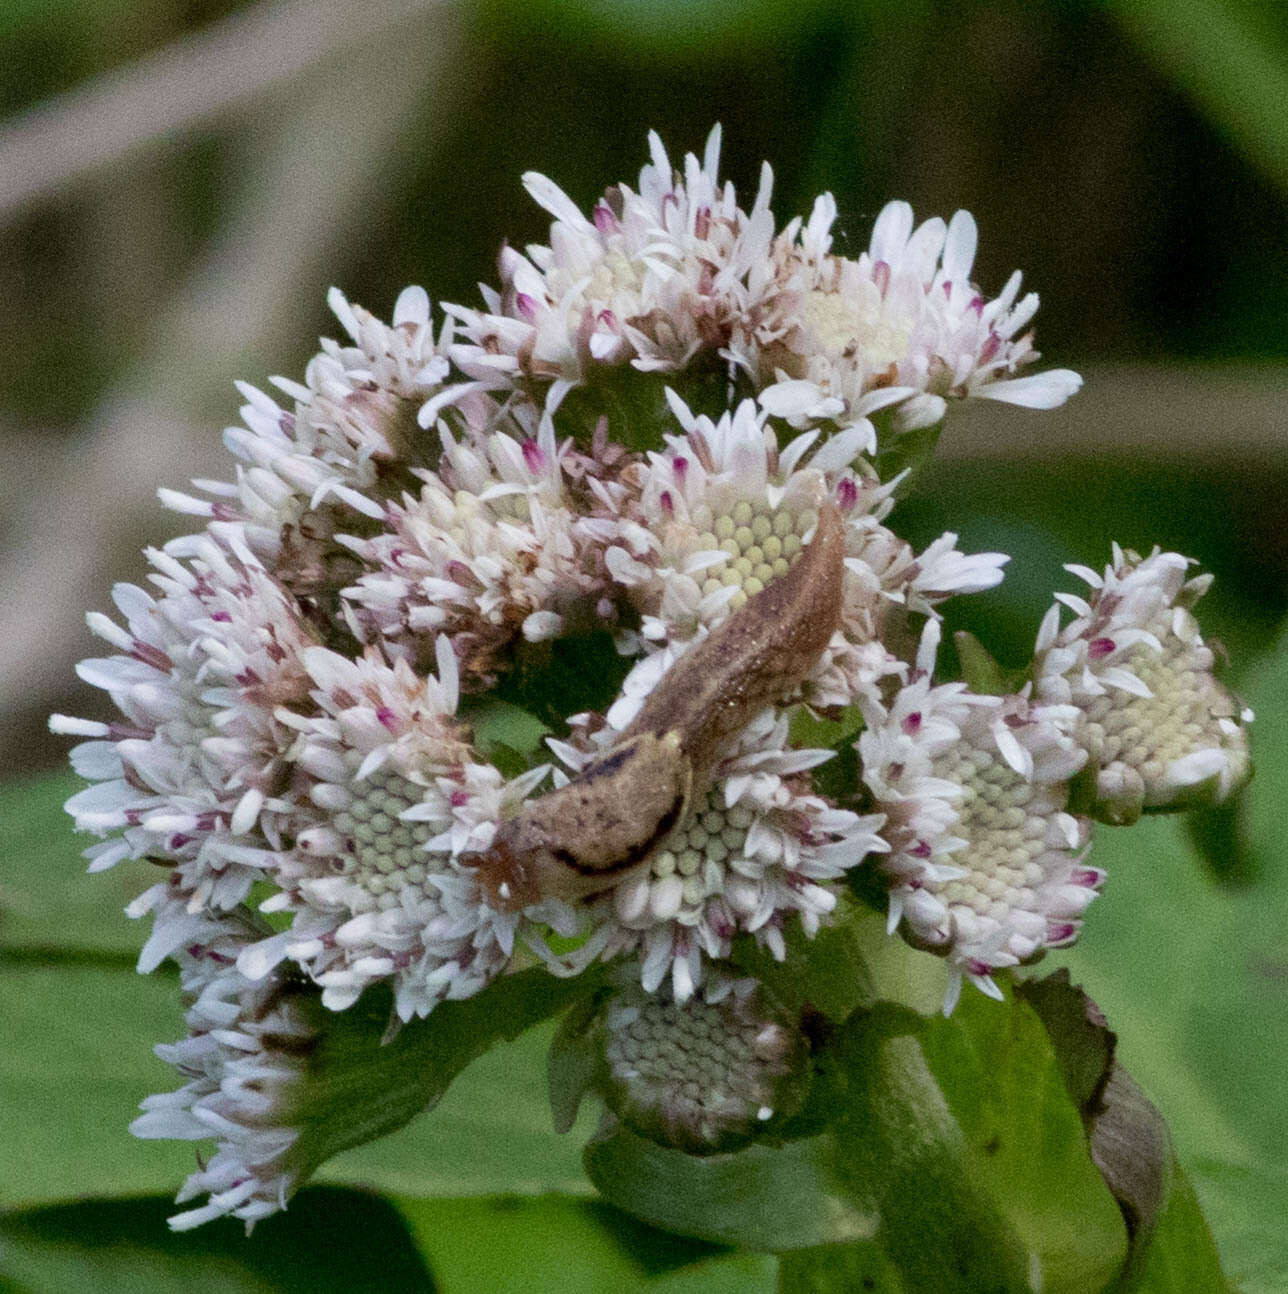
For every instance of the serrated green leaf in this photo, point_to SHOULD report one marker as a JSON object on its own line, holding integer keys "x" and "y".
{"x": 329, "y": 1242}
{"x": 551, "y": 1242}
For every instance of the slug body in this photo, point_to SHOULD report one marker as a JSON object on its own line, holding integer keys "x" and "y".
{"x": 586, "y": 836}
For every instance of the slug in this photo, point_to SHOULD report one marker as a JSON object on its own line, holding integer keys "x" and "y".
{"x": 586, "y": 836}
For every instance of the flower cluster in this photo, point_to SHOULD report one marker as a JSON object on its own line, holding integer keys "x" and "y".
{"x": 418, "y": 536}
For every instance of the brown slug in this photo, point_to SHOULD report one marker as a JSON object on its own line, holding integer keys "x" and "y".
{"x": 587, "y": 835}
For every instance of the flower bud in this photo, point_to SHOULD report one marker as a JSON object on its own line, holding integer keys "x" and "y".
{"x": 705, "y": 1075}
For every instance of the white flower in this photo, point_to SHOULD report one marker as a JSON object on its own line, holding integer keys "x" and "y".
{"x": 493, "y": 548}
{"x": 273, "y": 1078}
{"x": 345, "y": 445}
{"x": 903, "y": 323}
{"x": 193, "y": 772}
{"x": 246, "y": 1065}
{"x": 727, "y": 511}
{"x": 372, "y": 885}
{"x": 985, "y": 863}
{"x": 1159, "y": 727}
{"x": 652, "y": 278}
{"x": 758, "y": 849}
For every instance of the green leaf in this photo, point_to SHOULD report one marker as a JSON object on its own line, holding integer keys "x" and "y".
{"x": 76, "y": 1061}
{"x": 550, "y": 1242}
{"x": 1225, "y": 65}
{"x": 492, "y": 1133}
{"x": 1182, "y": 1257}
{"x": 1220, "y": 836}
{"x": 329, "y": 1242}
{"x": 49, "y": 908}
{"x": 356, "y": 1085}
{"x": 553, "y": 679}
{"x": 900, "y": 1145}
{"x": 848, "y": 964}
{"x": 840, "y": 1269}
{"x": 762, "y": 1197}
{"x": 1128, "y": 1137}
{"x": 828, "y": 974}
{"x": 1194, "y": 976}
{"x": 992, "y": 1138}
{"x": 575, "y": 1060}
{"x": 1246, "y": 1205}
{"x": 499, "y": 727}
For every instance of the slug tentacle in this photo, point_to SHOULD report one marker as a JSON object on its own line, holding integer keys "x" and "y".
{"x": 587, "y": 835}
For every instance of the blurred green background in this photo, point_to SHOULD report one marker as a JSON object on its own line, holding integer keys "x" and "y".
{"x": 181, "y": 180}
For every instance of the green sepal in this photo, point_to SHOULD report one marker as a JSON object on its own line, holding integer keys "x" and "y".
{"x": 504, "y": 734}
{"x": 903, "y": 451}
{"x": 575, "y": 1063}
{"x": 1082, "y": 793}
{"x": 633, "y": 403}
{"x": 983, "y": 674}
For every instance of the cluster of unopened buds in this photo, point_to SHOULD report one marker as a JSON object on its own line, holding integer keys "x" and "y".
{"x": 639, "y": 497}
